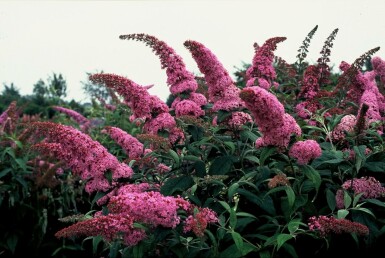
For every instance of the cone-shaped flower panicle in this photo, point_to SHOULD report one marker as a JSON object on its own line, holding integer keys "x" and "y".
{"x": 327, "y": 225}
{"x": 305, "y": 151}
{"x": 83, "y": 122}
{"x": 163, "y": 121}
{"x": 370, "y": 188}
{"x": 131, "y": 146}
{"x": 148, "y": 207}
{"x": 216, "y": 76}
{"x": 269, "y": 114}
{"x": 178, "y": 78}
{"x": 110, "y": 227}
{"x": 197, "y": 223}
{"x": 86, "y": 157}
{"x": 262, "y": 64}
{"x": 309, "y": 84}
{"x": 143, "y": 104}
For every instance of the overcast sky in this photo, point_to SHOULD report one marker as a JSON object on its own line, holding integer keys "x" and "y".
{"x": 38, "y": 38}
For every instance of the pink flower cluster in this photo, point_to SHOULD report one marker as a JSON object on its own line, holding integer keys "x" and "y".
{"x": 305, "y": 151}
{"x": 326, "y": 225}
{"x": 262, "y": 70}
{"x": 197, "y": 222}
{"x": 379, "y": 67}
{"x": 83, "y": 122}
{"x": 131, "y": 146}
{"x": 370, "y": 188}
{"x": 269, "y": 114}
{"x": 309, "y": 85}
{"x": 86, "y": 157}
{"x": 221, "y": 88}
{"x": 180, "y": 80}
{"x": 142, "y": 104}
{"x": 346, "y": 125}
{"x": 110, "y": 227}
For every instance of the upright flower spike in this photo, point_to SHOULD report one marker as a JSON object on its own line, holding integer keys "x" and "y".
{"x": 269, "y": 114}
{"x": 86, "y": 157}
{"x": 179, "y": 79}
{"x": 261, "y": 72}
{"x": 221, "y": 86}
{"x": 83, "y": 122}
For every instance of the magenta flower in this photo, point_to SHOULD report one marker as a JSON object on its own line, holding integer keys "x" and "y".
{"x": 370, "y": 188}
{"x": 262, "y": 64}
{"x": 131, "y": 146}
{"x": 379, "y": 67}
{"x": 142, "y": 104}
{"x": 83, "y": 122}
{"x": 309, "y": 85}
{"x": 305, "y": 151}
{"x": 220, "y": 85}
{"x": 327, "y": 225}
{"x": 198, "y": 222}
{"x": 178, "y": 78}
{"x": 148, "y": 207}
{"x": 269, "y": 114}
{"x": 86, "y": 157}
{"x": 110, "y": 227}
{"x": 346, "y": 125}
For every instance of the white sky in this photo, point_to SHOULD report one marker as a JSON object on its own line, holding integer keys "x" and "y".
{"x": 38, "y": 38}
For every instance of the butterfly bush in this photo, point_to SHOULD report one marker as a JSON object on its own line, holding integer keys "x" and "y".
{"x": 181, "y": 81}
{"x": 379, "y": 67}
{"x": 346, "y": 125}
{"x": 305, "y": 151}
{"x": 269, "y": 114}
{"x": 132, "y": 147}
{"x": 83, "y": 122}
{"x": 261, "y": 72}
{"x": 370, "y": 188}
{"x": 222, "y": 90}
{"x": 86, "y": 157}
{"x": 327, "y": 225}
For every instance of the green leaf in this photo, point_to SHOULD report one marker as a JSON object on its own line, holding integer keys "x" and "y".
{"x": 249, "y": 135}
{"x": 375, "y": 166}
{"x": 289, "y": 192}
{"x": 95, "y": 243}
{"x": 231, "y": 145}
{"x": 294, "y": 224}
{"x": 366, "y": 211}
{"x": 331, "y": 199}
{"x": 313, "y": 175}
{"x": 232, "y": 190}
{"x": 376, "y": 202}
{"x": 347, "y": 200}
{"x": 356, "y": 199}
{"x": 341, "y": 214}
{"x": 175, "y": 157}
{"x": 237, "y": 240}
{"x": 265, "y": 154}
{"x": 172, "y": 185}
{"x": 200, "y": 168}
{"x": 282, "y": 238}
{"x": 221, "y": 165}
{"x": 5, "y": 171}
{"x": 12, "y": 242}
{"x": 252, "y": 159}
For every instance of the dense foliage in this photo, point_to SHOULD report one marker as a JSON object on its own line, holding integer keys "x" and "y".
{"x": 286, "y": 161}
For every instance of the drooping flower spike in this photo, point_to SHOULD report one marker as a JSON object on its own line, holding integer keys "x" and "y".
{"x": 180, "y": 80}
{"x": 84, "y": 156}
